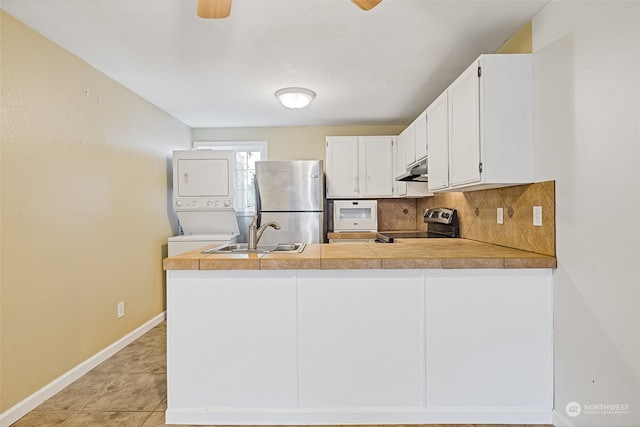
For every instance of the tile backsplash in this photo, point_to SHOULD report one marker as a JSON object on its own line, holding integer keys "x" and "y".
{"x": 397, "y": 214}
{"x": 477, "y": 214}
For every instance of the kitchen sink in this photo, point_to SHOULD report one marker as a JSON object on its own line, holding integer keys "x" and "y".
{"x": 290, "y": 247}
{"x": 241, "y": 248}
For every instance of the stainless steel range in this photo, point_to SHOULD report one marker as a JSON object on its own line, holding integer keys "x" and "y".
{"x": 441, "y": 223}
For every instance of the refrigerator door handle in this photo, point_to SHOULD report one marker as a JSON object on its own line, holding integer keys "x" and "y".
{"x": 258, "y": 201}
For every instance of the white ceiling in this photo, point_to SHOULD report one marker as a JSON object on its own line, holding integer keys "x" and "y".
{"x": 382, "y": 66}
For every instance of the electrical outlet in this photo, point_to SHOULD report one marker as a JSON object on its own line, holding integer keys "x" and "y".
{"x": 537, "y": 216}
{"x": 500, "y": 215}
{"x": 120, "y": 309}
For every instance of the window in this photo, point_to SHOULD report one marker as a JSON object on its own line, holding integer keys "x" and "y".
{"x": 247, "y": 154}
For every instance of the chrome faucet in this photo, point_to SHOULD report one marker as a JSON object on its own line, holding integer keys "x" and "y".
{"x": 255, "y": 232}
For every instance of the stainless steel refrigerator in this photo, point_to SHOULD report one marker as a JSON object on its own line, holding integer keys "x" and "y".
{"x": 291, "y": 193}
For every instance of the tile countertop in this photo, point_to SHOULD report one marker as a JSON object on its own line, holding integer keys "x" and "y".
{"x": 404, "y": 254}
{"x": 348, "y": 235}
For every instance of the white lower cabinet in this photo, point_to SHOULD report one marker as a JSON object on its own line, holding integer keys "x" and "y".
{"x": 359, "y": 347}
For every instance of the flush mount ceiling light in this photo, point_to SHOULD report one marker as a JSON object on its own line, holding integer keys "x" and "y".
{"x": 295, "y": 97}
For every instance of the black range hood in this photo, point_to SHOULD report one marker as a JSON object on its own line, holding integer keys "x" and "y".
{"x": 417, "y": 172}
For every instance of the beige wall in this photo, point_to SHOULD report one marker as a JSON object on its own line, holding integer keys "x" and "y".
{"x": 520, "y": 42}
{"x": 85, "y": 213}
{"x": 292, "y": 143}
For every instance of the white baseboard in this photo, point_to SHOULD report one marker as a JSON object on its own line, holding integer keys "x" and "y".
{"x": 356, "y": 416}
{"x": 22, "y": 408}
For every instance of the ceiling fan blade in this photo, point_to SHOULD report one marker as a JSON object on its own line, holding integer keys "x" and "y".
{"x": 366, "y": 4}
{"x": 214, "y": 9}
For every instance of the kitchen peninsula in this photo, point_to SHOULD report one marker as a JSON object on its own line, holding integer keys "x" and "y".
{"x": 421, "y": 331}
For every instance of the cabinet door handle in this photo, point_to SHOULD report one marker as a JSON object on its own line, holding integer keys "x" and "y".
{"x": 355, "y": 184}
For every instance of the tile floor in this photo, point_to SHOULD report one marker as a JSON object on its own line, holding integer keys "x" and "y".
{"x": 127, "y": 390}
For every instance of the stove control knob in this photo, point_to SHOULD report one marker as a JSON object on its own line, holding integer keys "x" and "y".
{"x": 209, "y": 203}
{"x": 179, "y": 203}
{"x": 227, "y": 203}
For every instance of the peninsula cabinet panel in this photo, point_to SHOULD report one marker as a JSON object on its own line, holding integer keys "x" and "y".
{"x": 336, "y": 347}
{"x": 236, "y": 346}
{"x": 360, "y": 340}
{"x": 493, "y": 348}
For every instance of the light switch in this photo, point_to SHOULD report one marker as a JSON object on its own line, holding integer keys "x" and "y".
{"x": 500, "y": 215}
{"x": 537, "y": 216}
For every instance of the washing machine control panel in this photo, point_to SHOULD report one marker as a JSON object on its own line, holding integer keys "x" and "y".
{"x": 194, "y": 203}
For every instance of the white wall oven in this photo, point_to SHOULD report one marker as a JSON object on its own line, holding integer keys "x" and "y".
{"x": 355, "y": 215}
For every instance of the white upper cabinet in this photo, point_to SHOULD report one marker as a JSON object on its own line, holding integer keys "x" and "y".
{"x": 420, "y": 141}
{"x": 489, "y": 126}
{"x": 415, "y": 136}
{"x": 438, "y": 137}
{"x": 342, "y": 167}
{"x": 409, "y": 144}
{"x": 399, "y": 165}
{"x": 464, "y": 128}
{"x": 376, "y": 166}
{"x": 359, "y": 166}
{"x": 403, "y": 188}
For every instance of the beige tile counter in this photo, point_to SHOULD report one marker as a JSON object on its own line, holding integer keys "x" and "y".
{"x": 351, "y": 235}
{"x": 354, "y": 256}
{"x": 404, "y": 254}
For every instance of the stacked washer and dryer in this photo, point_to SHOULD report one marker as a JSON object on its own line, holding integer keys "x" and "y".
{"x": 203, "y": 199}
